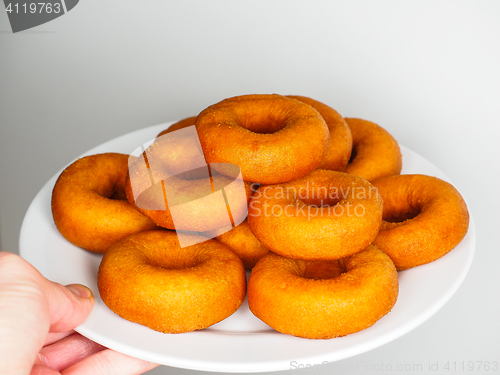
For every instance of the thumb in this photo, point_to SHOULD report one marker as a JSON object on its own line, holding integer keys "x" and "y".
{"x": 30, "y": 305}
{"x": 69, "y": 305}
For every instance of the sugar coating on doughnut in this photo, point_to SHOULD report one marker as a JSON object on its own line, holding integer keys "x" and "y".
{"x": 323, "y": 299}
{"x": 324, "y": 215}
{"x": 339, "y": 150}
{"x": 83, "y": 205}
{"x": 149, "y": 279}
{"x": 272, "y": 138}
{"x": 375, "y": 153}
{"x": 424, "y": 218}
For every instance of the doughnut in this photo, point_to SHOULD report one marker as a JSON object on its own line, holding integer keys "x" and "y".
{"x": 272, "y": 138}
{"x": 323, "y": 299}
{"x": 326, "y": 215}
{"x": 340, "y": 147}
{"x": 197, "y": 205}
{"x": 241, "y": 241}
{"x": 180, "y": 151}
{"x": 184, "y": 123}
{"x": 375, "y": 153}
{"x": 86, "y": 204}
{"x": 147, "y": 278}
{"x": 424, "y": 218}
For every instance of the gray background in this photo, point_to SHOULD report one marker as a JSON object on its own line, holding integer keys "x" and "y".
{"x": 427, "y": 71}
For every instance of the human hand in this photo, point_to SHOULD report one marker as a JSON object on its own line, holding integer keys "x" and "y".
{"x": 37, "y": 318}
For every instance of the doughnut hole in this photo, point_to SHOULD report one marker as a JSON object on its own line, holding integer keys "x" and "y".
{"x": 354, "y": 153}
{"x": 269, "y": 120}
{"x": 320, "y": 269}
{"x": 393, "y": 218}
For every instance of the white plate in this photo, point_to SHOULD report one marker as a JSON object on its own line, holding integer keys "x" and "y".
{"x": 241, "y": 343}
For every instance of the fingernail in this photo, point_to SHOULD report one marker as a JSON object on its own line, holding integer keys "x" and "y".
{"x": 80, "y": 290}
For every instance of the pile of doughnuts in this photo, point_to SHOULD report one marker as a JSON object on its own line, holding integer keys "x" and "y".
{"x": 319, "y": 215}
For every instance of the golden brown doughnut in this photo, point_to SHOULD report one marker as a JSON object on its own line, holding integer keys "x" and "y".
{"x": 375, "y": 153}
{"x": 180, "y": 201}
{"x": 325, "y": 215}
{"x": 424, "y": 218}
{"x": 242, "y": 241}
{"x": 323, "y": 299}
{"x": 197, "y": 207}
{"x": 184, "y": 123}
{"x": 272, "y": 138}
{"x": 149, "y": 279}
{"x": 340, "y": 147}
{"x": 180, "y": 151}
{"x": 82, "y": 207}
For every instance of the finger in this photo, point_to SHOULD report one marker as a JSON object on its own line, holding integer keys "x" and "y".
{"x": 67, "y": 352}
{"x": 42, "y": 370}
{"x": 53, "y": 337}
{"x": 24, "y": 314}
{"x": 109, "y": 362}
{"x": 29, "y": 305}
{"x": 68, "y": 306}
